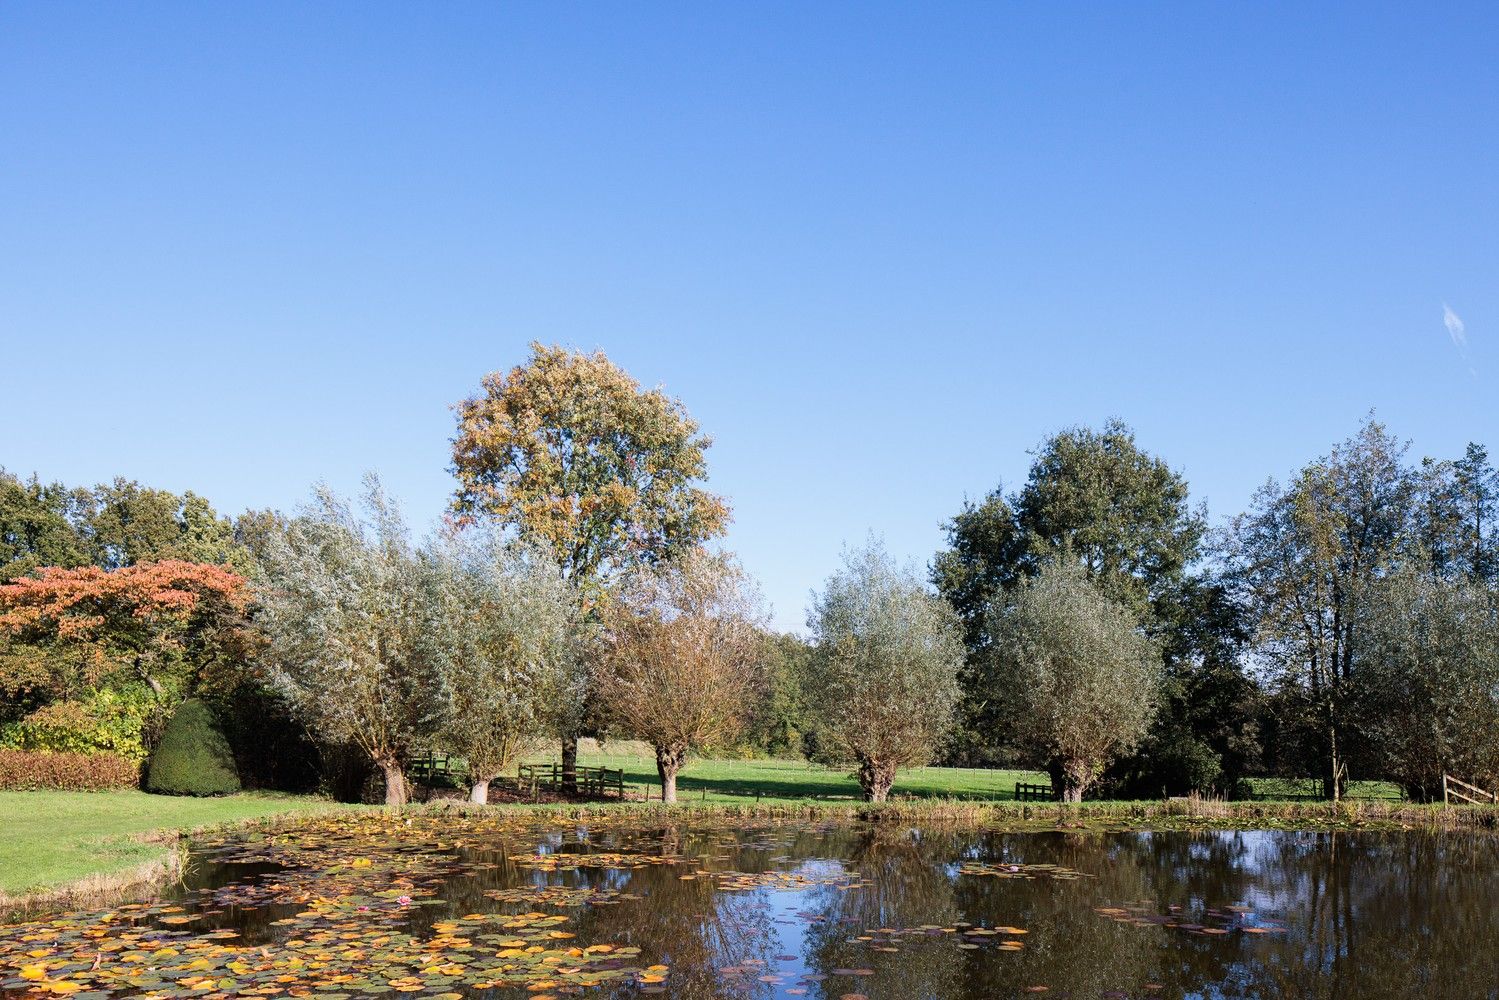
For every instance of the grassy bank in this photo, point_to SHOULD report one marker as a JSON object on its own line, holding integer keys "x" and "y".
{"x": 93, "y": 840}
{"x": 1175, "y": 814}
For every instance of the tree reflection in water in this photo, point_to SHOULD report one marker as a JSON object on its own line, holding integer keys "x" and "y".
{"x": 1345, "y": 915}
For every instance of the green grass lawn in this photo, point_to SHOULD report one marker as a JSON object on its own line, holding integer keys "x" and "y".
{"x": 1307, "y": 789}
{"x": 53, "y": 838}
{"x": 797, "y": 781}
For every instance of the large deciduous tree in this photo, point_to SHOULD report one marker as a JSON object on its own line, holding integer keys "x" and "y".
{"x": 348, "y": 617}
{"x": 1077, "y": 679}
{"x": 128, "y": 523}
{"x": 570, "y": 449}
{"x": 38, "y": 526}
{"x": 684, "y": 649}
{"x": 1097, "y": 500}
{"x": 507, "y": 642}
{"x": 1121, "y": 513}
{"x": 1304, "y": 559}
{"x": 883, "y": 679}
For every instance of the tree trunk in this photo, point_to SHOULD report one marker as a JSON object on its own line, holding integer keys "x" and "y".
{"x": 395, "y": 782}
{"x": 478, "y": 792}
{"x": 876, "y": 777}
{"x": 1077, "y": 775}
{"x": 570, "y": 764}
{"x": 1333, "y": 779}
{"x": 668, "y": 763}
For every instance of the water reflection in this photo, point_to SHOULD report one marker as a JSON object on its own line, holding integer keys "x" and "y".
{"x": 887, "y": 911}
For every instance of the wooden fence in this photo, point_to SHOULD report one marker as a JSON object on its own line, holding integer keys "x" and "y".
{"x": 1033, "y": 793}
{"x": 594, "y": 782}
{"x": 1454, "y": 788}
{"x": 425, "y": 767}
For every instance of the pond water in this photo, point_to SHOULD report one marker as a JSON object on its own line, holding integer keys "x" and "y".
{"x": 342, "y": 908}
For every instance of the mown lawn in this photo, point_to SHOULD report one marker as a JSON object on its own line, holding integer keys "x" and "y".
{"x": 48, "y": 839}
{"x": 798, "y": 781}
{"x": 1310, "y": 789}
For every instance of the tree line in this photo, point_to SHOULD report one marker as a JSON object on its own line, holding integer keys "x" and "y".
{"x": 1091, "y": 623}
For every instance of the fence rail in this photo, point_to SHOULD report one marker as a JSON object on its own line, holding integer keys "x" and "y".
{"x": 1033, "y": 793}
{"x": 429, "y": 765}
{"x": 595, "y": 782}
{"x": 1456, "y": 788}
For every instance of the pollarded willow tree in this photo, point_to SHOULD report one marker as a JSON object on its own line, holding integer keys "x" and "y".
{"x": 507, "y": 641}
{"x": 348, "y": 614}
{"x": 1078, "y": 679}
{"x": 685, "y": 648}
{"x": 1428, "y": 665}
{"x": 568, "y": 448}
{"x": 883, "y": 679}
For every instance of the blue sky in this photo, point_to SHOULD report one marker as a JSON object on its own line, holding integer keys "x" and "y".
{"x": 880, "y": 251}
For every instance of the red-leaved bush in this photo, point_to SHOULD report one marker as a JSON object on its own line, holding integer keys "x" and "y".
{"x": 78, "y": 772}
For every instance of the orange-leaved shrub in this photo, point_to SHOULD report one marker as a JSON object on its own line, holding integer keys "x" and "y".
{"x": 78, "y": 772}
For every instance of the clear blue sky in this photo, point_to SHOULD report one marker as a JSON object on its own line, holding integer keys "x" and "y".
{"x": 879, "y": 251}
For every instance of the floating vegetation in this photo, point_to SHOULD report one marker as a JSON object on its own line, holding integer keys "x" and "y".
{"x": 94, "y": 955}
{"x": 564, "y": 896}
{"x": 786, "y": 881}
{"x": 968, "y": 937}
{"x": 339, "y": 898}
{"x": 1001, "y": 869}
{"x": 564, "y": 862}
{"x": 1214, "y": 921}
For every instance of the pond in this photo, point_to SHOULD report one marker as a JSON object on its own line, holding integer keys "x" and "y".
{"x": 454, "y": 907}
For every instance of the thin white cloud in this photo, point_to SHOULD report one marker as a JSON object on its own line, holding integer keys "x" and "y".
{"x": 1459, "y": 334}
{"x": 1455, "y": 329}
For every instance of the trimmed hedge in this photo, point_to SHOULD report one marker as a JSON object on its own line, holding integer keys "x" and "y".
{"x": 29, "y": 770}
{"x": 193, "y": 757}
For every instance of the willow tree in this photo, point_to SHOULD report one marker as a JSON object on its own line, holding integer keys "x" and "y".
{"x": 569, "y": 449}
{"x": 347, "y": 614}
{"x": 506, "y": 638}
{"x": 682, "y": 671}
{"x": 1078, "y": 679}
{"x": 883, "y": 680}
{"x": 1427, "y": 702}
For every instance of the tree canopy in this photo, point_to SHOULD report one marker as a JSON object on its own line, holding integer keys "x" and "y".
{"x": 571, "y": 449}
{"x": 507, "y": 643}
{"x": 1074, "y": 680}
{"x": 682, "y": 670}
{"x": 348, "y": 620}
{"x": 883, "y": 681}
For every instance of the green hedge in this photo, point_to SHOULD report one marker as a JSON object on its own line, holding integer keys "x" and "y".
{"x": 193, "y": 757}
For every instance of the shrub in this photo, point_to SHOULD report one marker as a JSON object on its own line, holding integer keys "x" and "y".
{"x": 104, "y": 722}
{"x": 194, "y": 757}
{"x": 80, "y": 772}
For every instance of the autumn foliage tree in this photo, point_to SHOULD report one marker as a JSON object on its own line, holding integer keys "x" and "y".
{"x": 684, "y": 650}
{"x": 167, "y": 624}
{"x": 569, "y": 449}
